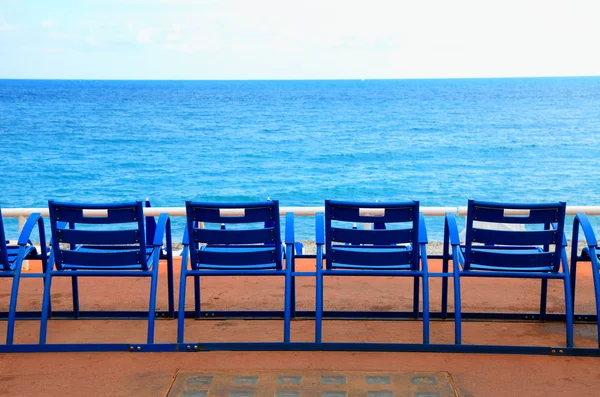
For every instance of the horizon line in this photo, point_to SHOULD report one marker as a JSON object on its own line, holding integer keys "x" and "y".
{"x": 301, "y": 79}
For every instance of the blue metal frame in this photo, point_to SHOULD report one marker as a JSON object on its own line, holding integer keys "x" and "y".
{"x": 589, "y": 253}
{"x": 192, "y": 347}
{"x": 378, "y": 252}
{"x": 166, "y": 253}
{"x": 236, "y": 251}
{"x": 105, "y": 253}
{"x": 508, "y": 254}
{"x": 11, "y": 262}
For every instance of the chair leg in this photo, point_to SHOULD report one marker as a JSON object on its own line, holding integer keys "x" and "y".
{"x": 425, "y": 305}
{"x": 152, "y": 305}
{"x": 543, "y": 299}
{"x": 45, "y": 308}
{"x": 319, "y": 307}
{"x": 171, "y": 288}
{"x": 568, "y": 296}
{"x": 181, "y": 309}
{"x": 457, "y": 310}
{"x": 426, "y": 309}
{"x": 445, "y": 260}
{"x": 416, "y": 298}
{"x": 596, "y": 276}
{"x": 12, "y": 311}
{"x": 293, "y": 297}
{"x": 573, "y": 275}
{"x": 197, "y": 307}
{"x": 568, "y": 311}
{"x": 170, "y": 283}
{"x": 75, "y": 295}
{"x": 287, "y": 307}
{"x": 597, "y": 293}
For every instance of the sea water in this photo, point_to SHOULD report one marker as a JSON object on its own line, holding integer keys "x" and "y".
{"x": 437, "y": 141}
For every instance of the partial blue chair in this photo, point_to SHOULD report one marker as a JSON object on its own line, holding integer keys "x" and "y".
{"x": 396, "y": 247}
{"x": 588, "y": 254}
{"x": 236, "y": 239}
{"x": 104, "y": 240}
{"x": 536, "y": 253}
{"x": 11, "y": 262}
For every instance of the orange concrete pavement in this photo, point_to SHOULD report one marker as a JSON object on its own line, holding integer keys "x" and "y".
{"x": 150, "y": 374}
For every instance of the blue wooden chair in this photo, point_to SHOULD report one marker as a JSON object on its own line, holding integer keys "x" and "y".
{"x": 396, "y": 246}
{"x": 108, "y": 243}
{"x": 531, "y": 253}
{"x": 11, "y": 261}
{"x": 244, "y": 242}
{"x": 588, "y": 254}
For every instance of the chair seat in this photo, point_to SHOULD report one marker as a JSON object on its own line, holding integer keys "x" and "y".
{"x": 585, "y": 254}
{"x": 512, "y": 250}
{"x": 247, "y": 249}
{"x": 13, "y": 252}
{"x": 372, "y": 250}
{"x": 149, "y": 253}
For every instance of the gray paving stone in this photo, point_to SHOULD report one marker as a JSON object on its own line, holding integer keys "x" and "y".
{"x": 194, "y": 393}
{"x": 245, "y": 380}
{"x": 289, "y": 380}
{"x": 200, "y": 380}
{"x": 241, "y": 393}
{"x": 378, "y": 380}
{"x": 287, "y": 393}
{"x": 333, "y": 380}
{"x": 423, "y": 380}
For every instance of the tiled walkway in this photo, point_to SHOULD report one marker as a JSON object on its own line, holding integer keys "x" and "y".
{"x": 295, "y": 383}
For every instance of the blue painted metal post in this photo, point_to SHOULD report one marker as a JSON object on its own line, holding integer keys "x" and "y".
{"x": 445, "y": 259}
{"x": 568, "y": 303}
{"x": 425, "y": 270}
{"x": 320, "y": 239}
{"x": 75, "y": 295}
{"x": 45, "y": 305}
{"x": 457, "y": 309}
{"x": 170, "y": 282}
{"x": 596, "y": 271}
{"x": 152, "y": 305}
{"x": 10, "y": 331}
{"x": 182, "y": 285}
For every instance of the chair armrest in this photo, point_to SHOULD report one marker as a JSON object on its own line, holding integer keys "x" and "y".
{"x": 319, "y": 228}
{"x": 289, "y": 228}
{"x": 583, "y": 221}
{"x": 186, "y": 239}
{"x": 422, "y": 230}
{"x": 452, "y": 228}
{"x": 163, "y": 227}
{"x": 32, "y": 220}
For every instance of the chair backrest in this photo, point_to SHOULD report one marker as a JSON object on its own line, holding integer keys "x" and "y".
{"x": 244, "y": 229}
{"x": 150, "y": 226}
{"x": 113, "y": 232}
{"x": 538, "y": 218}
{"x": 401, "y": 222}
{"x": 3, "y": 249}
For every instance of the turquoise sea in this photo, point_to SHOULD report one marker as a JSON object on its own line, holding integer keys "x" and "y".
{"x": 437, "y": 141}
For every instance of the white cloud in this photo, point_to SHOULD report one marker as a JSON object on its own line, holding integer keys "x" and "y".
{"x": 10, "y": 27}
{"x": 144, "y": 36}
{"x": 173, "y": 37}
{"x": 93, "y": 41}
{"x": 198, "y": 44}
{"x": 58, "y": 35}
{"x": 48, "y": 24}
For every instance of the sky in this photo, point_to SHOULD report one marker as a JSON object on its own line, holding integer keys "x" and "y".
{"x": 297, "y": 39}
